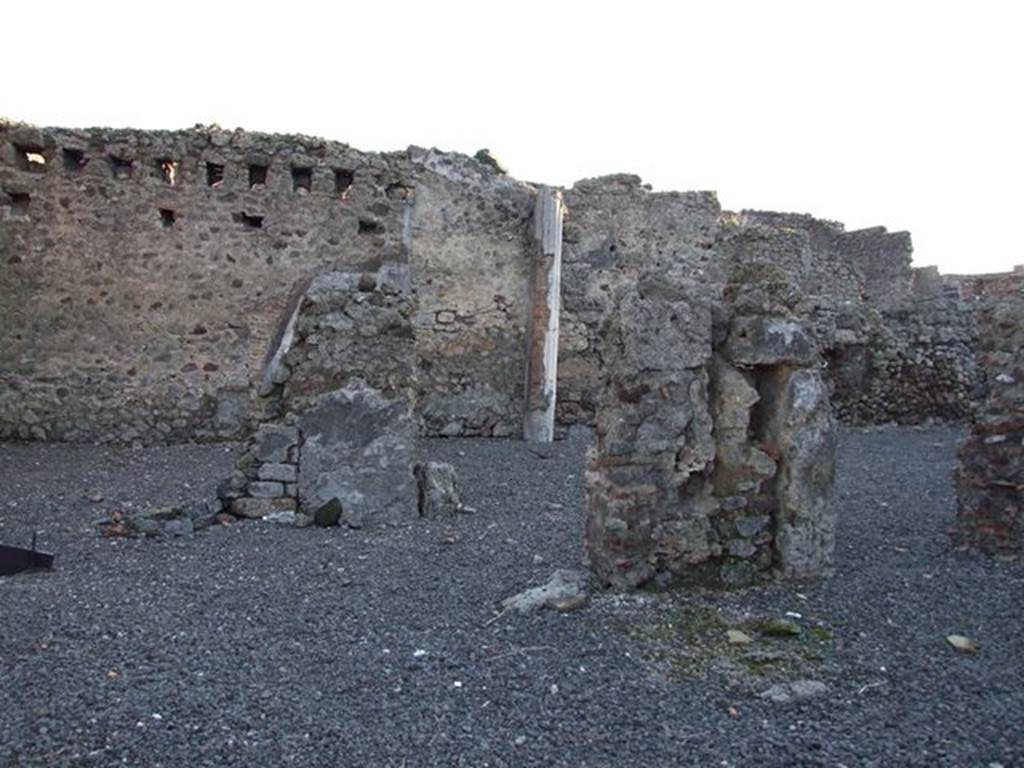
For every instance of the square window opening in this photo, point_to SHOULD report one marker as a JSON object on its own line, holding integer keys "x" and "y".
{"x": 258, "y": 176}
{"x": 370, "y": 227}
{"x": 31, "y": 159}
{"x": 302, "y": 179}
{"x": 121, "y": 167}
{"x": 214, "y": 174}
{"x": 343, "y": 179}
{"x": 249, "y": 222}
{"x": 19, "y": 203}
{"x": 74, "y": 159}
{"x": 167, "y": 218}
{"x": 167, "y": 170}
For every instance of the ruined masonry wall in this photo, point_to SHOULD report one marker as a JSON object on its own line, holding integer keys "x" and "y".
{"x": 617, "y": 229}
{"x": 715, "y": 441}
{"x": 909, "y": 364}
{"x": 990, "y": 476}
{"x": 146, "y": 275}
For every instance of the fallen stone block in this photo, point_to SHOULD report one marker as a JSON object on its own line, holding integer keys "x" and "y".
{"x": 358, "y": 449}
{"x": 257, "y": 508}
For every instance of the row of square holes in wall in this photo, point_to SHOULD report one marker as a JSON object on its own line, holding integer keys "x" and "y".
{"x": 32, "y": 159}
{"x": 168, "y": 218}
{"x": 19, "y": 204}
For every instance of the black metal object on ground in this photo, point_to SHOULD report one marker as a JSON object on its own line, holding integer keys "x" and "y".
{"x": 17, "y": 559}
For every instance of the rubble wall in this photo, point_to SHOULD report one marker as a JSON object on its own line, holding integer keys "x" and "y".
{"x": 617, "y": 229}
{"x": 909, "y": 363}
{"x": 146, "y": 274}
{"x": 147, "y": 278}
{"x": 990, "y": 475}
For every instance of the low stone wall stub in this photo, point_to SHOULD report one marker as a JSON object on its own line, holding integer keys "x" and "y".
{"x": 715, "y": 439}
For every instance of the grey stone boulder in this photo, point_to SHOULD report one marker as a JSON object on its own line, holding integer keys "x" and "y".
{"x": 358, "y": 449}
{"x": 278, "y": 471}
{"x": 328, "y": 514}
{"x": 566, "y": 590}
{"x": 272, "y": 442}
{"x": 438, "y": 489}
{"x": 164, "y": 521}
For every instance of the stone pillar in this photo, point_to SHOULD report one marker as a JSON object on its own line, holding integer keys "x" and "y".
{"x": 715, "y": 441}
{"x": 542, "y": 321}
{"x": 990, "y": 476}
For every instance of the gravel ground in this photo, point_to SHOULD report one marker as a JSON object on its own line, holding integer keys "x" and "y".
{"x": 255, "y": 645}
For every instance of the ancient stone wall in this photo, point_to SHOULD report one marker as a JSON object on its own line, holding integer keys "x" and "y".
{"x": 990, "y": 477}
{"x": 149, "y": 278}
{"x": 147, "y": 275}
{"x": 883, "y": 260}
{"x": 470, "y": 245}
{"x": 802, "y": 245}
{"x": 338, "y": 424}
{"x": 909, "y": 363}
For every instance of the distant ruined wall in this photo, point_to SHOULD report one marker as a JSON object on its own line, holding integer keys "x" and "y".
{"x": 911, "y": 363}
{"x": 146, "y": 279}
{"x": 990, "y": 475}
{"x": 883, "y": 260}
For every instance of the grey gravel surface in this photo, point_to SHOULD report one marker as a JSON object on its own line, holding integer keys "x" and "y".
{"x": 259, "y": 645}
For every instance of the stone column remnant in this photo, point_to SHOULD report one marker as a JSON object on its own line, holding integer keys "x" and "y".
{"x": 990, "y": 476}
{"x": 715, "y": 441}
{"x": 542, "y": 330}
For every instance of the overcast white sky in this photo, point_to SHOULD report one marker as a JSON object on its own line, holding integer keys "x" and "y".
{"x": 903, "y": 114}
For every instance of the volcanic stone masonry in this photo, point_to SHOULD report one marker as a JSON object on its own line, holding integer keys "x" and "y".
{"x": 147, "y": 275}
{"x": 331, "y": 306}
{"x": 715, "y": 442}
{"x": 990, "y": 477}
{"x": 338, "y": 397}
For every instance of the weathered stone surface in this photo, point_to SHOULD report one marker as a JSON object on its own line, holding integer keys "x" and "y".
{"x": 990, "y": 475}
{"x": 165, "y": 521}
{"x": 255, "y": 508}
{"x": 438, "y": 489}
{"x": 265, "y": 489}
{"x": 805, "y": 528}
{"x": 565, "y": 591}
{"x": 769, "y": 341}
{"x": 358, "y": 449}
{"x": 714, "y": 462}
{"x": 282, "y": 473}
{"x": 272, "y": 442}
{"x": 280, "y": 517}
{"x": 798, "y": 690}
